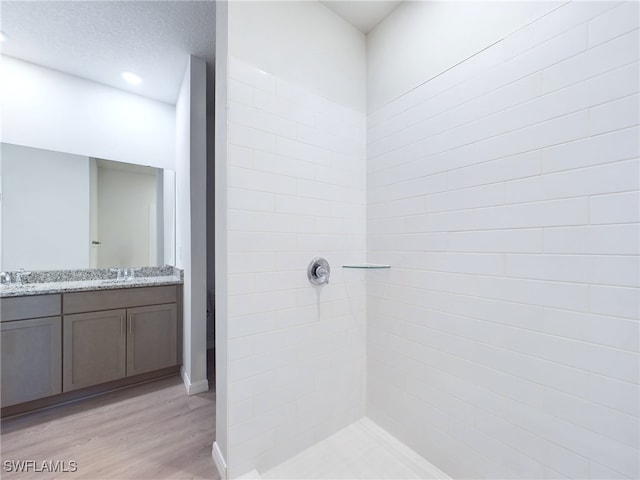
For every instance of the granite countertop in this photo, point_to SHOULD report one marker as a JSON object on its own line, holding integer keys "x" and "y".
{"x": 66, "y": 281}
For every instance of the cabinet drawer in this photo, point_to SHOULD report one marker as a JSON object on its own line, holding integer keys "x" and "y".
{"x": 36, "y": 306}
{"x": 79, "y": 302}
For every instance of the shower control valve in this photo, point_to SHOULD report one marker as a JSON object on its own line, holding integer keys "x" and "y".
{"x": 318, "y": 271}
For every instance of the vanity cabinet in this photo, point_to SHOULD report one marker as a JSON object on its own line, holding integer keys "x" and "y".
{"x": 31, "y": 348}
{"x": 105, "y": 345}
{"x": 61, "y": 347}
{"x": 94, "y": 348}
{"x": 152, "y": 341}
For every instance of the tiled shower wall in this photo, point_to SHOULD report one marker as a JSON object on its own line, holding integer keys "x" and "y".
{"x": 503, "y": 342}
{"x": 296, "y": 191}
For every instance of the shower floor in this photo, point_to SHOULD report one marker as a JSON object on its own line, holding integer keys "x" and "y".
{"x": 362, "y": 450}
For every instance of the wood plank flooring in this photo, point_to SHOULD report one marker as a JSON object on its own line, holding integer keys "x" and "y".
{"x": 151, "y": 431}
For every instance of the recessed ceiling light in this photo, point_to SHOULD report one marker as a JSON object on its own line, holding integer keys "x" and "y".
{"x": 3, "y": 37}
{"x": 132, "y": 78}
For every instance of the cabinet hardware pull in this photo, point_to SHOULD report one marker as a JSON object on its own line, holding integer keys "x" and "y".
{"x": 121, "y": 324}
{"x": 131, "y": 324}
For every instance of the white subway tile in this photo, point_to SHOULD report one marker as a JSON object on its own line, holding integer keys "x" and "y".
{"x": 596, "y": 329}
{"x": 509, "y": 168}
{"x": 496, "y": 241}
{"x": 282, "y": 165}
{"x": 251, "y": 324}
{"x": 251, "y": 75}
{"x": 302, "y": 206}
{"x": 473, "y": 197}
{"x": 251, "y": 137}
{"x": 598, "y": 448}
{"x": 615, "y": 301}
{"x": 505, "y": 331}
{"x": 544, "y": 134}
{"x": 607, "y": 56}
{"x": 269, "y": 102}
{"x": 527, "y": 215}
{"x": 256, "y": 242}
{"x": 603, "y": 88}
{"x": 241, "y": 283}
{"x": 615, "y": 208}
{"x": 601, "y": 179}
{"x": 615, "y": 115}
{"x": 593, "y": 269}
{"x": 262, "y": 120}
{"x": 257, "y": 425}
{"x": 250, "y": 387}
{"x": 239, "y": 92}
{"x": 598, "y": 471}
{"x": 240, "y": 220}
{"x": 549, "y": 26}
{"x": 609, "y": 147}
{"x": 593, "y": 239}
{"x": 283, "y": 223}
{"x": 256, "y": 180}
{"x": 239, "y": 348}
{"x": 447, "y": 83}
{"x": 268, "y": 281}
{"x": 255, "y": 303}
{"x": 491, "y": 447}
{"x": 616, "y": 394}
{"x": 561, "y": 459}
{"x": 594, "y": 358}
{"x": 296, "y": 316}
{"x": 244, "y": 199}
{"x": 301, "y": 151}
{"x": 614, "y": 22}
{"x": 240, "y": 156}
{"x": 536, "y": 292}
{"x": 260, "y": 363}
{"x": 471, "y": 101}
{"x": 251, "y": 262}
{"x": 240, "y": 411}
{"x": 550, "y": 52}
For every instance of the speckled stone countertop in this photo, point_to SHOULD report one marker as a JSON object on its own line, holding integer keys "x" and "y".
{"x": 66, "y": 281}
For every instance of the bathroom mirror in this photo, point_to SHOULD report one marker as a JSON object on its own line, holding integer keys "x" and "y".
{"x": 65, "y": 211}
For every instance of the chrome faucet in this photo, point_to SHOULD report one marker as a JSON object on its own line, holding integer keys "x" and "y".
{"x": 5, "y": 278}
{"x": 20, "y": 274}
{"x": 132, "y": 273}
{"x": 118, "y": 272}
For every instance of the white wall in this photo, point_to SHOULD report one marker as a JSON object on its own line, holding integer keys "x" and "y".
{"x": 503, "y": 342}
{"x": 45, "y": 209}
{"x": 190, "y": 220}
{"x": 420, "y": 40}
{"x": 47, "y": 109}
{"x": 221, "y": 196}
{"x": 296, "y": 170}
{"x": 302, "y": 42}
{"x": 169, "y": 213}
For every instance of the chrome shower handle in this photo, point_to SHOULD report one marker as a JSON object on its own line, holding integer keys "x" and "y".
{"x": 318, "y": 271}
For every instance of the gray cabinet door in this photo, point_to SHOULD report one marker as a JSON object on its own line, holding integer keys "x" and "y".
{"x": 94, "y": 348}
{"x": 31, "y": 359}
{"x": 151, "y": 341}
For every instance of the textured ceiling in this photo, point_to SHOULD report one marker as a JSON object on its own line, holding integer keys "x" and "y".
{"x": 100, "y": 39}
{"x": 363, "y": 14}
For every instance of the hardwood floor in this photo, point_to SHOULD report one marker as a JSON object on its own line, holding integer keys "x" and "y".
{"x": 153, "y": 431}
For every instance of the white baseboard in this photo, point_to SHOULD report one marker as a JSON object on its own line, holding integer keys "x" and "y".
{"x": 193, "y": 388}
{"x": 218, "y": 459}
